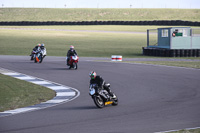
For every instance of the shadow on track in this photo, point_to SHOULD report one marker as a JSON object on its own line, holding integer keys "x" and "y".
{"x": 63, "y": 68}
{"x": 82, "y": 108}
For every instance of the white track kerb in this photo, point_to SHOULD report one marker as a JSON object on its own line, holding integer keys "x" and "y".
{"x": 63, "y": 93}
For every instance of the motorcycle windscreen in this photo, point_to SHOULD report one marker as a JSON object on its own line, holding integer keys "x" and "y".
{"x": 92, "y": 91}
{"x": 74, "y": 57}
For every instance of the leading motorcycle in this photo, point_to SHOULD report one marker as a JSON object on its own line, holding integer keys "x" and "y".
{"x": 101, "y": 97}
{"x": 39, "y": 55}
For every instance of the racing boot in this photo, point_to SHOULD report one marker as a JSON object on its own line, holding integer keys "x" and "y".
{"x": 68, "y": 61}
{"x": 113, "y": 96}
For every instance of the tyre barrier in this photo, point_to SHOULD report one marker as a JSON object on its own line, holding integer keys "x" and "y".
{"x": 154, "y": 22}
{"x": 171, "y": 52}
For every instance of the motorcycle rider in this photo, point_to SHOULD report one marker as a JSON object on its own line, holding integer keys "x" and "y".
{"x": 42, "y": 48}
{"x": 100, "y": 82}
{"x": 71, "y": 52}
{"x": 35, "y": 49}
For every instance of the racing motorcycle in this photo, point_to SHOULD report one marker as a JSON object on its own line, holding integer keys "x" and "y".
{"x": 73, "y": 62}
{"x": 39, "y": 55}
{"x": 101, "y": 97}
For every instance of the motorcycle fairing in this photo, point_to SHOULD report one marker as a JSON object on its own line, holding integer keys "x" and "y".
{"x": 37, "y": 59}
{"x": 109, "y": 102}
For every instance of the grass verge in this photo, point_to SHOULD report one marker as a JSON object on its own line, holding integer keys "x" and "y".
{"x": 101, "y": 14}
{"x": 188, "y": 64}
{"x": 15, "y": 93}
{"x": 187, "y": 131}
{"x": 127, "y": 28}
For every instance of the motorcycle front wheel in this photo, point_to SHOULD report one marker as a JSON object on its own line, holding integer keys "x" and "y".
{"x": 41, "y": 60}
{"x": 75, "y": 65}
{"x": 98, "y": 101}
{"x": 35, "y": 60}
{"x": 115, "y": 101}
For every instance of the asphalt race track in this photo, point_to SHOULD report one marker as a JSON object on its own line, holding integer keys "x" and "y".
{"x": 151, "y": 98}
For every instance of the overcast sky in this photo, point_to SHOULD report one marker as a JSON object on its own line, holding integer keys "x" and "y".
{"x": 101, "y": 3}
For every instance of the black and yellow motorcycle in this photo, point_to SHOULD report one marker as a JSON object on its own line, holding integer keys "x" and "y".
{"x": 101, "y": 97}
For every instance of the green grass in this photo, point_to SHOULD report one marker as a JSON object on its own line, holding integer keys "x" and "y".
{"x": 21, "y": 42}
{"x": 187, "y": 131}
{"x": 95, "y": 28}
{"x": 189, "y": 64}
{"x": 128, "y": 28}
{"x": 91, "y": 14}
{"x": 15, "y": 93}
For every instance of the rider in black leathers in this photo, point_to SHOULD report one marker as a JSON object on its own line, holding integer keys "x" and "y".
{"x": 35, "y": 49}
{"x": 71, "y": 52}
{"x": 99, "y": 81}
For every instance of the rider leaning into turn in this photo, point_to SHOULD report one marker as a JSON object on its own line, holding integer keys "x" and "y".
{"x": 42, "y": 47}
{"x": 99, "y": 81}
{"x": 35, "y": 49}
{"x": 71, "y": 52}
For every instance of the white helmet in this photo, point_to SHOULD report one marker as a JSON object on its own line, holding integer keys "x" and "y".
{"x": 71, "y": 47}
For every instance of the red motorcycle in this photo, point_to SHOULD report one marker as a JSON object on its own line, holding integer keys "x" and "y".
{"x": 73, "y": 62}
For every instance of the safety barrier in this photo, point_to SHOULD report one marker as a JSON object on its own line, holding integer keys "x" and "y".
{"x": 116, "y": 58}
{"x": 171, "y": 52}
{"x": 154, "y": 22}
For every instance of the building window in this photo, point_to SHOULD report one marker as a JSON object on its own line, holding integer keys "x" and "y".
{"x": 184, "y": 32}
{"x": 165, "y": 33}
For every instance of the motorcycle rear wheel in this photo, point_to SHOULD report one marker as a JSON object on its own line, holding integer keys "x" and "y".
{"x": 98, "y": 101}
{"x": 32, "y": 58}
